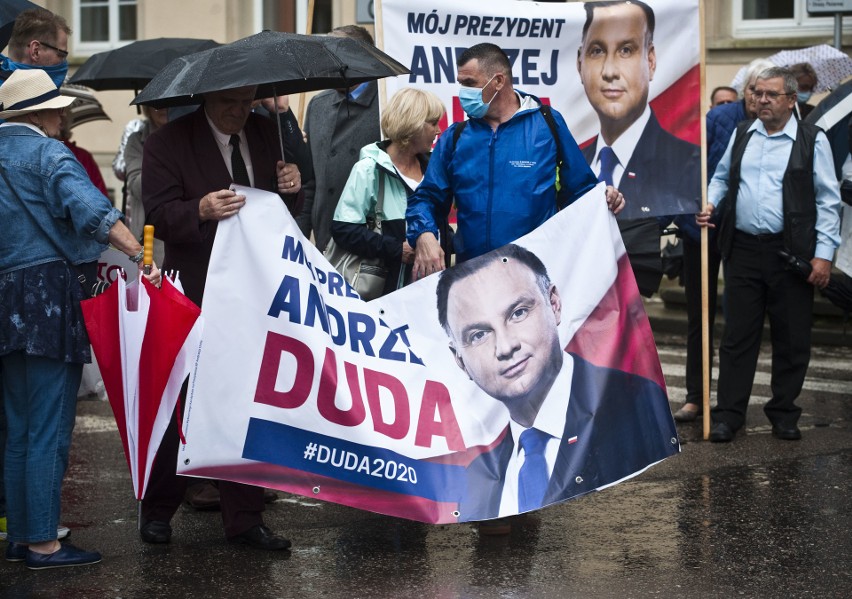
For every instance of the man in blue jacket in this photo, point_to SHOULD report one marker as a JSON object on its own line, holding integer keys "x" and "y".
{"x": 508, "y": 171}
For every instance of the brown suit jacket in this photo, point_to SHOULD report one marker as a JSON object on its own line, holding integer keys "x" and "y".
{"x": 181, "y": 164}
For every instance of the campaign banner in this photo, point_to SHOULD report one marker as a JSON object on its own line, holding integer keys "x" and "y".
{"x": 624, "y": 76}
{"x": 412, "y": 404}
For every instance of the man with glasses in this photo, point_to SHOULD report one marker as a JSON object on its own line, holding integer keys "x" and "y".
{"x": 775, "y": 190}
{"x": 39, "y": 41}
{"x": 721, "y": 122}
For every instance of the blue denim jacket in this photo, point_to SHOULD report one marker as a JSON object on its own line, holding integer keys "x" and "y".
{"x": 65, "y": 217}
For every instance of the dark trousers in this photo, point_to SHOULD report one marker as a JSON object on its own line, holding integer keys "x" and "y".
{"x": 241, "y": 504}
{"x": 692, "y": 288}
{"x": 757, "y": 284}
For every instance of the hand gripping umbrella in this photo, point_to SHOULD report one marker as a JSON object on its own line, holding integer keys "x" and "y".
{"x": 839, "y": 288}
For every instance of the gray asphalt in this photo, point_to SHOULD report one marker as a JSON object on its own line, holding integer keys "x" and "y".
{"x": 755, "y": 518}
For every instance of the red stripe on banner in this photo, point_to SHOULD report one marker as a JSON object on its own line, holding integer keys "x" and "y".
{"x": 678, "y": 108}
{"x": 315, "y": 486}
{"x": 617, "y": 334}
{"x": 101, "y": 316}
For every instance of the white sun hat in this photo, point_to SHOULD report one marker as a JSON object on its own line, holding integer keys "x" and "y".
{"x": 29, "y": 90}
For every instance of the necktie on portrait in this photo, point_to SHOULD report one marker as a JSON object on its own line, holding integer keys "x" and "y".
{"x": 239, "y": 172}
{"x": 532, "y": 479}
{"x": 608, "y": 163}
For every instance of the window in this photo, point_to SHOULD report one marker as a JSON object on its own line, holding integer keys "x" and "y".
{"x": 770, "y": 18}
{"x": 103, "y": 24}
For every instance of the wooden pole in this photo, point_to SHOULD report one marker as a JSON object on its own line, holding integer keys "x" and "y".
{"x": 705, "y": 299}
{"x": 380, "y": 44}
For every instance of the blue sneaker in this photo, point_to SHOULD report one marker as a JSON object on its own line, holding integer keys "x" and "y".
{"x": 16, "y": 552}
{"x": 67, "y": 555}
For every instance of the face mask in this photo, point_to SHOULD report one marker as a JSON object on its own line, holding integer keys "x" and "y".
{"x": 57, "y": 72}
{"x": 803, "y": 96}
{"x": 471, "y": 100}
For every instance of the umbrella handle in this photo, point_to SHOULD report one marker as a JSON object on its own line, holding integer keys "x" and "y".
{"x": 278, "y": 122}
{"x": 148, "y": 248}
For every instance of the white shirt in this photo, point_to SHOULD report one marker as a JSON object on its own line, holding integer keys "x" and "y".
{"x": 223, "y": 140}
{"x": 623, "y": 148}
{"x": 30, "y": 125}
{"x": 551, "y": 420}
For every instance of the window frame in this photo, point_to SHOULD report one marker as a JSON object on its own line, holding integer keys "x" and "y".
{"x": 85, "y": 48}
{"x": 802, "y": 25}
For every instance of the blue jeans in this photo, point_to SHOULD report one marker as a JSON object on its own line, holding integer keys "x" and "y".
{"x": 41, "y": 399}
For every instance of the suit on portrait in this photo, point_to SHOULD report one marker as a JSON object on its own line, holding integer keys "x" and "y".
{"x": 622, "y": 423}
{"x": 663, "y": 174}
{"x": 182, "y": 163}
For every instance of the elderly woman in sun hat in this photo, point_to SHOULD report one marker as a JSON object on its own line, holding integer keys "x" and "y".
{"x": 55, "y": 222}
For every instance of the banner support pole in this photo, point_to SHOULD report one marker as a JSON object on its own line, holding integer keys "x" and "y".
{"x": 705, "y": 299}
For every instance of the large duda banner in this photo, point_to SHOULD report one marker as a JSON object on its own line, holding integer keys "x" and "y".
{"x": 623, "y": 76}
{"x": 416, "y": 404}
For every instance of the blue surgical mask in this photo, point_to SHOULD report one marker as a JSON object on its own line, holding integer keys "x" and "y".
{"x": 472, "y": 102}
{"x": 57, "y": 72}
{"x": 803, "y": 96}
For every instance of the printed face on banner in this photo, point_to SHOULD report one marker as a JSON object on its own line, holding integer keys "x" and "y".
{"x": 616, "y": 63}
{"x": 640, "y": 98}
{"x": 502, "y": 323}
{"x": 301, "y": 386}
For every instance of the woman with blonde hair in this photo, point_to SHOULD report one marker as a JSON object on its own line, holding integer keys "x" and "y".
{"x": 380, "y": 182}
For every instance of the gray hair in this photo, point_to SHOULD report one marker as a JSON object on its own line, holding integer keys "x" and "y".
{"x": 790, "y": 83}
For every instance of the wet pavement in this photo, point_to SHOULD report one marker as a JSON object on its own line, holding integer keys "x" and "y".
{"x": 757, "y": 517}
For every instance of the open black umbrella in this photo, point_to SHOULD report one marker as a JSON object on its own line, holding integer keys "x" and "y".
{"x": 839, "y": 288}
{"x": 278, "y": 63}
{"x": 9, "y": 11}
{"x": 832, "y": 116}
{"x": 134, "y": 65}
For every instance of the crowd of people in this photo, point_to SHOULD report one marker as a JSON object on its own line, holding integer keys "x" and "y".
{"x": 377, "y": 188}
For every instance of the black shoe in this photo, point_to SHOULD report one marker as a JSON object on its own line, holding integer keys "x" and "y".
{"x": 721, "y": 433}
{"x": 786, "y": 432}
{"x": 67, "y": 555}
{"x": 688, "y": 413}
{"x": 156, "y": 532}
{"x": 260, "y": 537}
{"x": 16, "y": 552}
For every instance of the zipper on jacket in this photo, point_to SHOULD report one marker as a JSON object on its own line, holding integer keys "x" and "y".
{"x": 491, "y": 145}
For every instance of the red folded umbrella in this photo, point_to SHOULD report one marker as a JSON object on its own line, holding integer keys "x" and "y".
{"x": 144, "y": 339}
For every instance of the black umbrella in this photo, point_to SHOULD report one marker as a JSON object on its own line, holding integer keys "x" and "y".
{"x": 278, "y": 63}
{"x": 832, "y": 116}
{"x": 839, "y": 288}
{"x": 641, "y": 238}
{"x": 134, "y": 65}
{"x": 9, "y": 11}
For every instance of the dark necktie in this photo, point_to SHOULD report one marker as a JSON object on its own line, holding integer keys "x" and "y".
{"x": 608, "y": 163}
{"x": 532, "y": 479}
{"x": 238, "y": 165}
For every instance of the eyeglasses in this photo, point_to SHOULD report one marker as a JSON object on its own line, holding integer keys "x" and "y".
{"x": 769, "y": 95}
{"x": 63, "y": 54}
